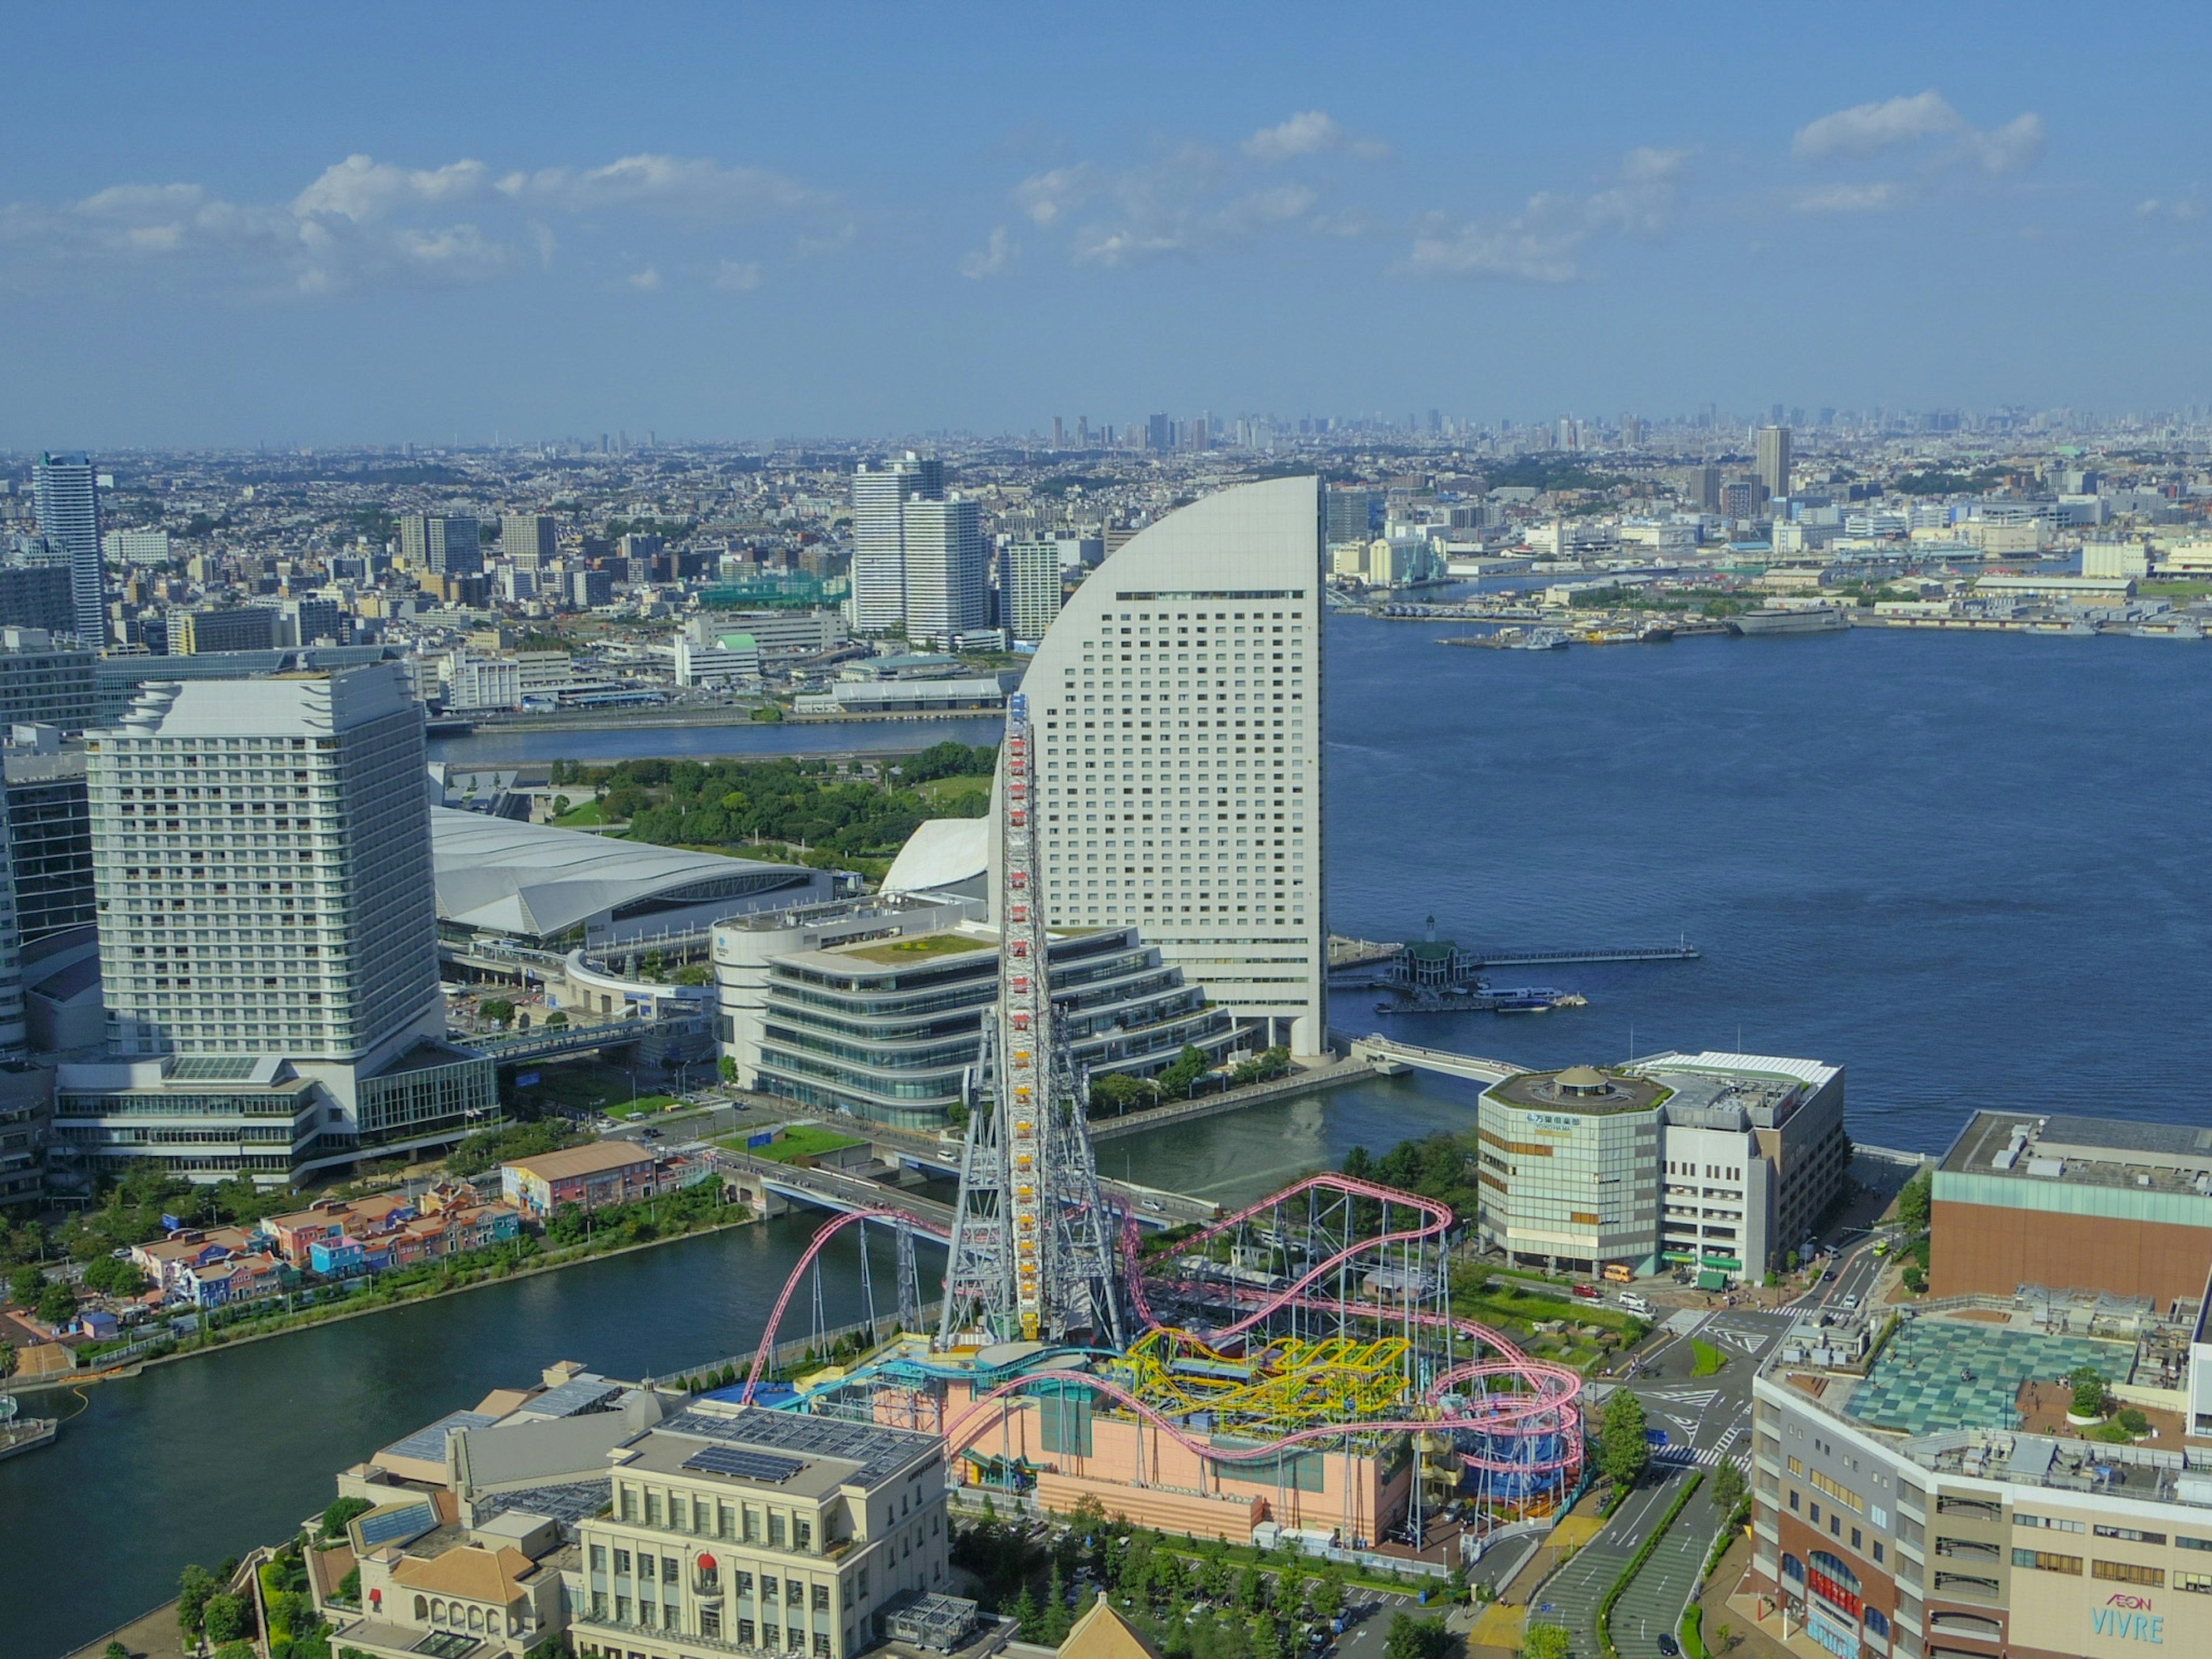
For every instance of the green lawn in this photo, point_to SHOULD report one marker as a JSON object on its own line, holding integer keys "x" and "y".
{"x": 921, "y": 948}
{"x": 802, "y": 1140}
{"x": 942, "y": 793}
{"x": 1705, "y": 1360}
{"x": 578, "y": 817}
{"x": 642, "y": 1106}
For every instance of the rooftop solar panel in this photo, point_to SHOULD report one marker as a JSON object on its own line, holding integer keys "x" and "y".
{"x": 740, "y": 1464}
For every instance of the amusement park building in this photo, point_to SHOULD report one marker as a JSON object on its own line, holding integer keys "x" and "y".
{"x": 1177, "y": 702}
{"x": 1718, "y": 1163}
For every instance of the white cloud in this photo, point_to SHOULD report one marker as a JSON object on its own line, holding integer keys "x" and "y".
{"x": 1871, "y": 128}
{"x": 1048, "y": 196}
{"x": 736, "y": 276}
{"x": 989, "y": 260}
{"x": 361, "y": 223}
{"x": 1310, "y": 132}
{"x": 1544, "y": 241}
{"x": 677, "y": 184}
{"x": 361, "y": 188}
{"x": 1864, "y": 129}
{"x": 1189, "y": 201}
{"x": 2014, "y": 145}
{"x": 2187, "y": 208}
{"x": 1849, "y": 198}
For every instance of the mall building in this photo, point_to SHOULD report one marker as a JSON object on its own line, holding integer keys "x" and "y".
{"x": 1935, "y": 1500}
{"x": 1716, "y": 1164}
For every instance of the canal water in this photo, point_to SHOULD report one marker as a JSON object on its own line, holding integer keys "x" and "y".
{"x": 1973, "y": 870}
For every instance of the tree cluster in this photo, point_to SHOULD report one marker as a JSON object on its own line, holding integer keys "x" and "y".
{"x": 727, "y": 802}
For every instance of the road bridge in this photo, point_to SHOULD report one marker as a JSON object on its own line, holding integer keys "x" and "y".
{"x": 841, "y": 1189}
{"x": 558, "y": 1042}
{"x": 1394, "y": 1059}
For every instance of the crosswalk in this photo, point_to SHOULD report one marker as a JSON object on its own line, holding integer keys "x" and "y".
{"x": 1690, "y": 1400}
{"x": 1700, "y": 1456}
{"x": 1704, "y": 1457}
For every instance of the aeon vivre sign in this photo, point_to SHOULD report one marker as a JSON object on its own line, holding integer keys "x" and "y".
{"x": 2128, "y": 1619}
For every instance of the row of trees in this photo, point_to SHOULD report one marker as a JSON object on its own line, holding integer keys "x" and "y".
{"x": 1190, "y": 1072}
{"x": 1191, "y": 1600}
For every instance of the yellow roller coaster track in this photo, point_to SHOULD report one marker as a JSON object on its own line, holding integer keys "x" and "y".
{"x": 1287, "y": 1386}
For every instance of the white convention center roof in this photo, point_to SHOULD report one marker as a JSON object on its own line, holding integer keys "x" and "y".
{"x": 531, "y": 880}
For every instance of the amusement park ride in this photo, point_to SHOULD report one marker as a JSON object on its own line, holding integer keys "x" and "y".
{"x": 1297, "y": 1361}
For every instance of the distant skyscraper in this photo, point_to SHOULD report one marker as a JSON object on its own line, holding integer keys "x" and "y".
{"x": 1203, "y": 633}
{"x": 39, "y": 596}
{"x": 1028, "y": 587}
{"x": 1350, "y": 515}
{"x": 527, "y": 539}
{"x": 947, "y": 572}
{"x": 13, "y": 1032}
{"x": 1058, "y": 434}
{"x": 879, "y": 497}
{"x": 1701, "y": 489}
{"x": 65, "y": 492}
{"x": 1159, "y": 433}
{"x": 1774, "y": 461}
{"x": 443, "y": 545}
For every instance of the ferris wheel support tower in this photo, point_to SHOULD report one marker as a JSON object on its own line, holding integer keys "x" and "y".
{"x": 1031, "y": 1254}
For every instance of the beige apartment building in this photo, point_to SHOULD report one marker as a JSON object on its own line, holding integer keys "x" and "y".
{"x": 739, "y": 1531}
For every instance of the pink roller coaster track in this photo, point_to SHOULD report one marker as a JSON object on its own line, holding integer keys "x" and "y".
{"x": 1548, "y": 1405}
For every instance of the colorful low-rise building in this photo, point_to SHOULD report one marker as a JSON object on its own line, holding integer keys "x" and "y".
{"x": 246, "y": 1277}
{"x": 593, "y": 1176}
{"x": 189, "y": 1249}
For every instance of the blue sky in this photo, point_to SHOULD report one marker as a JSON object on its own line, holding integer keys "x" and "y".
{"x": 324, "y": 225}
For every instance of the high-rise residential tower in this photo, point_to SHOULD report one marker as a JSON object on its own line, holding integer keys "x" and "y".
{"x": 879, "y": 497}
{"x": 1774, "y": 461}
{"x": 65, "y": 492}
{"x": 1028, "y": 587}
{"x": 444, "y": 544}
{"x": 261, "y": 854}
{"x": 528, "y": 539}
{"x": 948, "y": 574}
{"x": 1177, "y": 704}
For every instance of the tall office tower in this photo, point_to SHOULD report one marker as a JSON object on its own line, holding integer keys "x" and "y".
{"x": 444, "y": 544}
{"x": 262, "y": 859}
{"x": 1774, "y": 461}
{"x": 1028, "y": 587}
{"x": 948, "y": 573}
{"x": 37, "y": 596}
{"x": 1082, "y": 431}
{"x": 1701, "y": 489}
{"x": 879, "y": 497}
{"x": 13, "y": 1030}
{"x": 66, "y": 494}
{"x": 1058, "y": 434}
{"x": 528, "y": 539}
{"x": 49, "y": 819}
{"x": 1159, "y": 432}
{"x": 1350, "y": 516}
{"x": 1178, "y": 702}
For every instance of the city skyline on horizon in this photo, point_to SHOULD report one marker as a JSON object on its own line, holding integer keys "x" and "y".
{"x": 352, "y": 230}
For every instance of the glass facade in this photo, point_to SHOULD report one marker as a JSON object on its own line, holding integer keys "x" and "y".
{"x": 891, "y": 1041}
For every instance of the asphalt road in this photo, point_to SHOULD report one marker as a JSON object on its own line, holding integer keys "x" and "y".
{"x": 1569, "y": 1597}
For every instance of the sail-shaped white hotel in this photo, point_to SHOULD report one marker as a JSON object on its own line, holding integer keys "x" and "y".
{"x": 1177, "y": 702}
